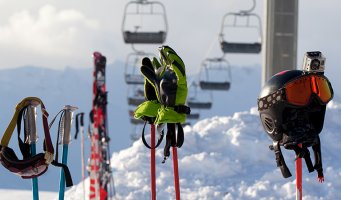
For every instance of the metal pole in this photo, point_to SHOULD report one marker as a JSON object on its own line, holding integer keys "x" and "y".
{"x": 299, "y": 177}
{"x": 152, "y": 162}
{"x": 176, "y": 173}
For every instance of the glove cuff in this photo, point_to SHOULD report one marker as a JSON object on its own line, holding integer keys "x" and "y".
{"x": 168, "y": 115}
{"x": 147, "y": 109}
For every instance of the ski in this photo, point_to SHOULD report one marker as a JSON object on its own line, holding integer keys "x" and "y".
{"x": 101, "y": 181}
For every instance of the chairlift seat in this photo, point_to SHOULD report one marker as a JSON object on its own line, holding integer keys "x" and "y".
{"x": 136, "y": 121}
{"x": 199, "y": 105}
{"x": 208, "y": 85}
{"x": 236, "y": 47}
{"x": 133, "y": 79}
{"x": 135, "y": 101}
{"x": 144, "y": 37}
{"x": 193, "y": 116}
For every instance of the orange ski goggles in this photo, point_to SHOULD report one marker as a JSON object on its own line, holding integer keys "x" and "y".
{"x": 298, "y": 92}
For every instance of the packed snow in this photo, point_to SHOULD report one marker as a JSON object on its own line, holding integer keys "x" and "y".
{"x": 227, "y": 158}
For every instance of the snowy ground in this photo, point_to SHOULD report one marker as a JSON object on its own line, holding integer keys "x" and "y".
{"x": 25, "y": 194}
{"x": 227, "y": 158}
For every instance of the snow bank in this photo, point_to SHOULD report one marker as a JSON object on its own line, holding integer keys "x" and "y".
{"x": 227, "y": 158}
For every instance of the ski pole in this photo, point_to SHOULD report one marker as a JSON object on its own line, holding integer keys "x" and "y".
{"x": 175, "y": 167}
{"x": 298, "y": 164}
{"x": 65, "y": 126}
{"x": 152, "y": 162}
{"x": 80, "y": 119}
{"x": 176, "y": 173}
{"x": 32, "y": 139}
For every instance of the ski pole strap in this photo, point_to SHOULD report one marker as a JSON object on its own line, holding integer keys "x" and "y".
{"x": 172, "y": 140}
{"x": 79, "y": 119}
{"x": 67, "y": 174}
{"x": 10, "y": 129}
{"x": 55, "y": 162}
{"x": 182, "y": 109}
{"x": 280, "y": 159}
{"x": 318, "y": 158}
{"x": 24, "y": 147}
{"x": 144, "y": 139}
{"x": 303, "y": 152}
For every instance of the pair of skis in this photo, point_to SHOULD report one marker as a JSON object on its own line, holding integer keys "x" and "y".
{"x": 101, "y": 180}
{"x": 153, "y": 166}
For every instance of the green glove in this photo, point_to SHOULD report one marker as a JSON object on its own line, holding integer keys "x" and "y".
{"x": 173, "y": 89}
{"x": 150, "y": 107}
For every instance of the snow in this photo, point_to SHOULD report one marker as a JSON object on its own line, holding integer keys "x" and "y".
{"x": 25, "y": 194}
{"x": 225, "y": 155}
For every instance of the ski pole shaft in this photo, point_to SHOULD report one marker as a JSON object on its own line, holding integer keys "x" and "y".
{"x": 176, "y": 173}
{"x": 152, "y": 162}
{"x": 299, "y": 177}
{"x": 65, "y": 141}
{"x": 32, "y": 139}
{"x": 82, "y": 150}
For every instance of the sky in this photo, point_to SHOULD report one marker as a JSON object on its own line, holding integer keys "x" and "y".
{"x": 56, "y": 34}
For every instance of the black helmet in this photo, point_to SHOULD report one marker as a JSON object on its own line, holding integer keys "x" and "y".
{"x": 281, "y": 118}
{"x": 292, "y": 107}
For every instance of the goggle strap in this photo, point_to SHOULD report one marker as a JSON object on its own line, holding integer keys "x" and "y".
{"x": 271, "y": 99}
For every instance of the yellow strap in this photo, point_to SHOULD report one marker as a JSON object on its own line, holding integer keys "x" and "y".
{"x": 10, "y": 129}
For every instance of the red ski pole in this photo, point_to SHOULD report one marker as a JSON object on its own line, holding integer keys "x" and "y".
{"x": 299, "y": 177}
{"x": 152, "y": 162}
{"x": 176, "y": 173}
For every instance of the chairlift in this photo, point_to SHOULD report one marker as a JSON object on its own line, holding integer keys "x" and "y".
{"x": 135, "y": 96}
{"x": 139, "y": 10}
{"x": 132, "y": 74}
{"x": 215, "y": 74}
{"x": 193, "y": 116}
{"x": 195, "y": 97}
{"x": 243, "y": 20}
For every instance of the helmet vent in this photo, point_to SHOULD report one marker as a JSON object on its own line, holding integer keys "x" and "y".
{"x": 268, "y": 124}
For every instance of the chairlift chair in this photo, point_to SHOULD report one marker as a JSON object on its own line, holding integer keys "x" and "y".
{"x": 140, "y": 9}
{"x": 215, "y": 74}
{"x": 135, "y": 96}
{"x": 193, "y": 116}
{"x": 132, "y": 74}
{"x": 232, "y": 21}
{"x": 195, "y": 99}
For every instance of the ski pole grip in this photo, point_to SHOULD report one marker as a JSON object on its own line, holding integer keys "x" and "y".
{"x": 30, "y": 123}
{"x": 66, "y": 123}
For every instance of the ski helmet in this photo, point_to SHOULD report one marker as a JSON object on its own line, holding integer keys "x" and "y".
{"x": 292, "y": 106}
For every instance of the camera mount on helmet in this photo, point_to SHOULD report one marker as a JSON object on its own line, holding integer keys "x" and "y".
{"x": 313, "y": 61}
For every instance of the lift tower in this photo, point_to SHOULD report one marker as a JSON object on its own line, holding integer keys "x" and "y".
{"x": 280, "y": 39}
